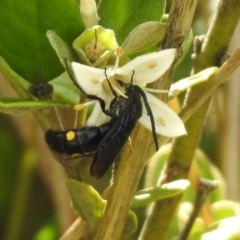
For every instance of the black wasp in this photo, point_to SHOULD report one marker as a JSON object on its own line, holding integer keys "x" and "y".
{"x": 124, "y": 113}
{"x": 108, "y": 139}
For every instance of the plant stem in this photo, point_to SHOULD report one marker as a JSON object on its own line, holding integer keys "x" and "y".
{"x": 76, "y": 230}
{"x": 179, "y": 24}
{"x": 184, "y": 147}
{"x": 132, "y": 164}
{"x": 204, "y": 188}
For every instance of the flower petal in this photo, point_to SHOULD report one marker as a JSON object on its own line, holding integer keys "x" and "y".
{"x": 148, "y": 68}
{"x": 89, "y": 78}
{"x": 97, "y": 117}
{"x": 167, "y": 122}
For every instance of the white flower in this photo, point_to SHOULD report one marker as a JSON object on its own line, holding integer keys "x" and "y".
{"x": 147, "y": 68}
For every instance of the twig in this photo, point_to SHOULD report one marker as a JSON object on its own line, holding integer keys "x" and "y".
{"x": 204, "y": 188}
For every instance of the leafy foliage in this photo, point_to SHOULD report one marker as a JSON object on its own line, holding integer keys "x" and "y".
{"x": 39, "y": 40}
{"x": 23, "y": 27}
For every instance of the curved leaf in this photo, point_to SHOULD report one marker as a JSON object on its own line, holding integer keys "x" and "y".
{"x": 86, "y": 201}
{"x": 63, "y": 51}
{"x": 187, "y": 43}
{"x": 143, "y": 36}
{"x": 23, "y": 27}
{"x": 130, "y": 13}
{"x": 19, "y": 84}
{"x": 149, "y": 195}
{"x": 225, "y": 209}
{"x": 65, "y": 90}
{"x": 226, "y": 229}
{"x": 89, "y": 205}
{"x": 205, "y": 167}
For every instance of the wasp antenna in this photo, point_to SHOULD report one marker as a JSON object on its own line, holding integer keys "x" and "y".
{"x": 113, "y": 91}
{"x": 150, "y": 114}
{"x": 67, "y": 68}
{"x": 71, "y": 75}
{"x": 132, "y": 77}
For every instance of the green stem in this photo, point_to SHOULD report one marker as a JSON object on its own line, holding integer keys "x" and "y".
{"x": 124, "y": 186}
{"x": 179, "y": 24}
{"x": 132, "y": 163}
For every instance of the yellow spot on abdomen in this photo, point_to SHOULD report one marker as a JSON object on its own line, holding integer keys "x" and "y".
{"x": 70, "y": 135}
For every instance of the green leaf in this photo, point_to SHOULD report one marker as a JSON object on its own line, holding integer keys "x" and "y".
{"x": 187, "y": 43}
{"x": 65, "y": 90}
{"x": 123, "y": 16}
{"x": 155, "y": 166}
{"x": 86, "y": 201}
{"x": 130, "y": 225}
{"x": 89, "y": 205}
{"x": 19, "y": 84}
{"x": 47, "y": 231}
{"x": 63, "y": 51}
{"x": 144, "y": 36}
{"x": 225, "y": 209}
{"x": 149, "y": 195}
{"x": 23, "y": 27}
{"x": 226, "y": 229}
{"x": 19, "y": 105}
{"x": 205, "y": 167}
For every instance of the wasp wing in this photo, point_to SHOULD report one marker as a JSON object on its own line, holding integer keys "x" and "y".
{"x": 108, "y": 152}
{"x": 114, "y": 140}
